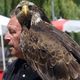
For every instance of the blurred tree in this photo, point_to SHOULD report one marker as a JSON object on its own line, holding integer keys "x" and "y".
{"x": 69, "y": 9}
{"x": 14, "y": 3}
{"x": 5, "y": 5}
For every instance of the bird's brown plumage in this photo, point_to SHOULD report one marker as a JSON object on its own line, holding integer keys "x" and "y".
{"x": 45, "y": 50}
{"x": 50, "y": 52}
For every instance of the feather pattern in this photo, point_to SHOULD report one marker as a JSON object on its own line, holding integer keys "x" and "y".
{"x": 50, "y": 52}
{"x": 45, "y": 50}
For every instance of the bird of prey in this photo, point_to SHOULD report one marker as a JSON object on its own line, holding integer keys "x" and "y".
{"x": 50, "y": 52}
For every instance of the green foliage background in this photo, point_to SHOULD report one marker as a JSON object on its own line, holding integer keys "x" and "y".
{"x": 68, "y": 9}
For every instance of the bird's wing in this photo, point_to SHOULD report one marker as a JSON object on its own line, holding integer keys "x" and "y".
{"x": 52, "y": 53}
{"x": 65, "y": 39}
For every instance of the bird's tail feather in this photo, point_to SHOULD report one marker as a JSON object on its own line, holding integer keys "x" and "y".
{"x": 63, "y": 71}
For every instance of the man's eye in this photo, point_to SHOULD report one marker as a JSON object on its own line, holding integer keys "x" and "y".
{"x": 12, "y": 32}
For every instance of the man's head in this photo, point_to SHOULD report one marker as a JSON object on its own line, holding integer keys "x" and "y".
{"x": 21, "y": 16}
{"x": 12, "y": 37}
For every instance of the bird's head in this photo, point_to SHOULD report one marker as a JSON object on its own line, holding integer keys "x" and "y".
{"x": 28, "y": 13}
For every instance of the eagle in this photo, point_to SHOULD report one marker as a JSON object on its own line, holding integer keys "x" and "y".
{"x": 53, "y": 54}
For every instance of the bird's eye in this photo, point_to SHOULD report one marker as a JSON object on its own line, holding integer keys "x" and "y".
{"x": 20, "y": 8}
{"x": 30, "y": 7}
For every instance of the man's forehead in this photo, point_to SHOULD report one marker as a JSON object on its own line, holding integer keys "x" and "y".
{"x": 13, "y": 21}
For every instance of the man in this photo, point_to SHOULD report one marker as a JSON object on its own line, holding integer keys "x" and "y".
{"x": 18, "y": 69}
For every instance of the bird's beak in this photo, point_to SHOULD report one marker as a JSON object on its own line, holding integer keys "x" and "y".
{"x": 25, "y": 9}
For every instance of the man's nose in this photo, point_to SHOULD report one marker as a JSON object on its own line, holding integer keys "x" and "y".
{"x": 7, "y": 37}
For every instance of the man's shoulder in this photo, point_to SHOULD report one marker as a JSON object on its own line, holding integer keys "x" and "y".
{"x": 21, "y": 70}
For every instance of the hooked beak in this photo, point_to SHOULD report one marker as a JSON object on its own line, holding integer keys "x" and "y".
{"x": 25, "y": 9}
